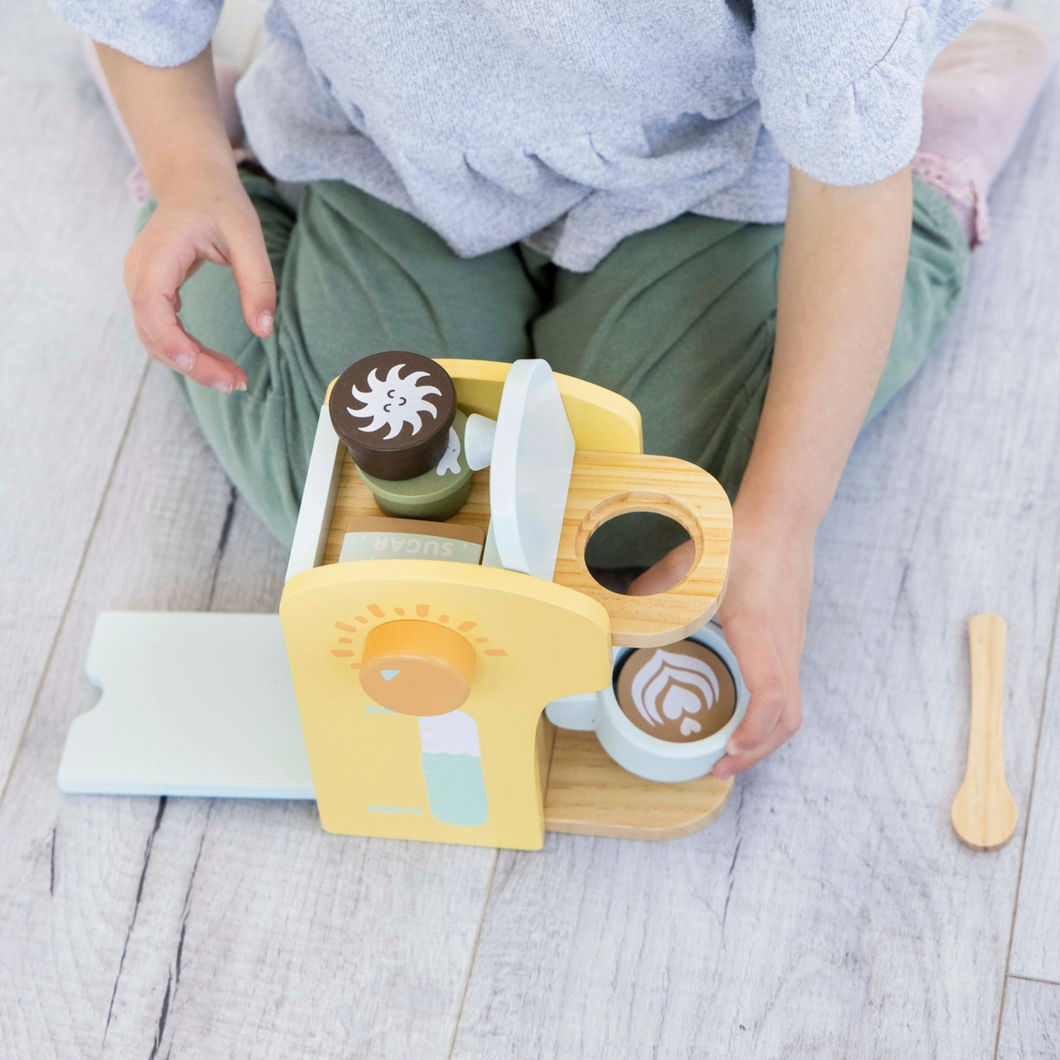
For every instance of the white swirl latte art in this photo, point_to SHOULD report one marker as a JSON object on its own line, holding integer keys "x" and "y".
{"x": 393, "y": 402}
{"x": 671, "y": 685}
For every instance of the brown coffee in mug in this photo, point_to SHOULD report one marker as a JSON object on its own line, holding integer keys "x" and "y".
{"x": 680, "y": 693}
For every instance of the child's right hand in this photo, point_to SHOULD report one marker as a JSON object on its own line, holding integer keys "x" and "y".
{"x": 206, "y": 216}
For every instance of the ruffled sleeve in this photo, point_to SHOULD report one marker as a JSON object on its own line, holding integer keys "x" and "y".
{"x": 157, "y": 32}
{"x": 841, "y": 81}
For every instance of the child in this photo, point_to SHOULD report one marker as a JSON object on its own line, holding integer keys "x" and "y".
{"x": 715, "y": 207}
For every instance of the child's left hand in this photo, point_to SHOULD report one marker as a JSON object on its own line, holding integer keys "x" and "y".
{"x": 763, "y": 614}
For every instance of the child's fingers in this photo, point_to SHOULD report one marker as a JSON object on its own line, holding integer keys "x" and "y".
{"x": 787, "y": 725}
{"x": 245, "y": 247}
{"x": 204, "y": 366}
{"x": 153, "y": 275}
{"x": 773, "y": 707}
{"x": 161, "y": 333}
{"x": 665, "y": 574}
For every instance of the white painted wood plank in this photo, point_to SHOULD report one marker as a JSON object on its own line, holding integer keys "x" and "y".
{"x": 318, "y": 498}
{"x": 219, "y": 928}
{"x": 258, "y": 935}
{"x": 1036, "y": 935}
{"x": 67, "y": 349}
{"x": 297, "y": 942}
{"x": 73, "y": 870}
{"x": 832, "y": 912}
{"x": 1030, "y": 1028}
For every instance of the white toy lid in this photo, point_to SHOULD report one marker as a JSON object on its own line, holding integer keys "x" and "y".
{"x": 530, "y": 470}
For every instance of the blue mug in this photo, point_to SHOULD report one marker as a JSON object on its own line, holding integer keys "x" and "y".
{"x": 688, "y": 692}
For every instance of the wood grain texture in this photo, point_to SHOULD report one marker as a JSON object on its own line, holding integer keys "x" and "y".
{"x": 831, "y": 911}
{"x": 1030, "y": 1026}
{"x": 1036, "y": 934}
{"x": 602, "y": 486}
{"x": 293, "y": 942}
{"x": 227, "y": 929}
{"x": 606, "y": 485}
{"x": 75, "y": 879}
{"x": 67, "y": 350}
{"x": 355, "y": 501}
{"x": 590, "y": 794}
{"x": 983, "y": 811}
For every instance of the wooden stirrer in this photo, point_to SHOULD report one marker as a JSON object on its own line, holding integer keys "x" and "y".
{"x": 984, "y": 812}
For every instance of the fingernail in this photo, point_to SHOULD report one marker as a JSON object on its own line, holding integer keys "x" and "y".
{"x": 731, "y": 748}
{"x": 722, "y": 772}
{"x": 241, "y": 385}
{"x": 223, "y": 385}
{"x": 185, "y": 362}
{"x": 265, "y": 323}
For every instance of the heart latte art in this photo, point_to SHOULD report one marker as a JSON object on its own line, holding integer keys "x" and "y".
{"x": 680, "y": 693}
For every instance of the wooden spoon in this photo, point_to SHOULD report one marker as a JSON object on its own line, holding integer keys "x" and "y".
{"x": 984, "y": 812}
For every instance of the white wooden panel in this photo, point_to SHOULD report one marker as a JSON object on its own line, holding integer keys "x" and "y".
{"x": 193, "y": 704}
{"x": 1030, "y": 1027}
{"x": 67, "y": 349}
{"x": 831, "y": 912}
{"x": 318, "y": 498}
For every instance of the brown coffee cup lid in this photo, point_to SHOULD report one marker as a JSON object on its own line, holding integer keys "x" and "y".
{"x": 393, "y": 410}
{"x": 680, "y": 693}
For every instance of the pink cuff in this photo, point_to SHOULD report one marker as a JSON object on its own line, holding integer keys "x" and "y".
{"x": 961, "y": 181}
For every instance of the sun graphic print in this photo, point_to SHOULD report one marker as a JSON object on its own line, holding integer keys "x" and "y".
{"x": 451, "y": 756}
{"x": 394, "y": 401}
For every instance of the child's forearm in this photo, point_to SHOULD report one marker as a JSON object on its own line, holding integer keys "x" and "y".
{"x": 172, "y": 114}
{"x": 841, "y": 276}
{"x": 203, "y": 212}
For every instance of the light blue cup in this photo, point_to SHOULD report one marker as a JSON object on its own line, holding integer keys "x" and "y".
{"x": 635, "y": 750}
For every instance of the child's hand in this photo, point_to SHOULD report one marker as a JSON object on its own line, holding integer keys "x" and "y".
{"x": 203, "y": 214}
{"x": 763, "y": 615}
{"x": 205, "y": 217}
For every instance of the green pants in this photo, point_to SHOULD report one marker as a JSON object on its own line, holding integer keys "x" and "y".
{"x": 680, "y": 319}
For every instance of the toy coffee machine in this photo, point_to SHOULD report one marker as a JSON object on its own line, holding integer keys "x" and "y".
{"x": 444, "y": 666}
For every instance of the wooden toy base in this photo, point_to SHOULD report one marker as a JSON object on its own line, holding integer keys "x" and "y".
{"x": 588, "y": 793}
{"x": 228, "y": 728}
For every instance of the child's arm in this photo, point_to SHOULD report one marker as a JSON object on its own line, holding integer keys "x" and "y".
{"x": 203, "y": 214}
{"x": 841, "y": 276}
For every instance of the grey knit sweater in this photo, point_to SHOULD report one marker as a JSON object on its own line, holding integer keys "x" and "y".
{"x": 568, "y": 124}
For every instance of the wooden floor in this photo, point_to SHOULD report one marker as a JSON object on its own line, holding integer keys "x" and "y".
{"x": 830, "y": 912}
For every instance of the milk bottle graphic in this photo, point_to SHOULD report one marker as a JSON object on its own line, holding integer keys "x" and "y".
{"x": 452, "y": 767}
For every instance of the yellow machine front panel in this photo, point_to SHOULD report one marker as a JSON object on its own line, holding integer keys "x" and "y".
{"x": 466, "y": 776}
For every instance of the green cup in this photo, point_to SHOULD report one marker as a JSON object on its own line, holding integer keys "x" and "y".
{"x": 436, "y": 494}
